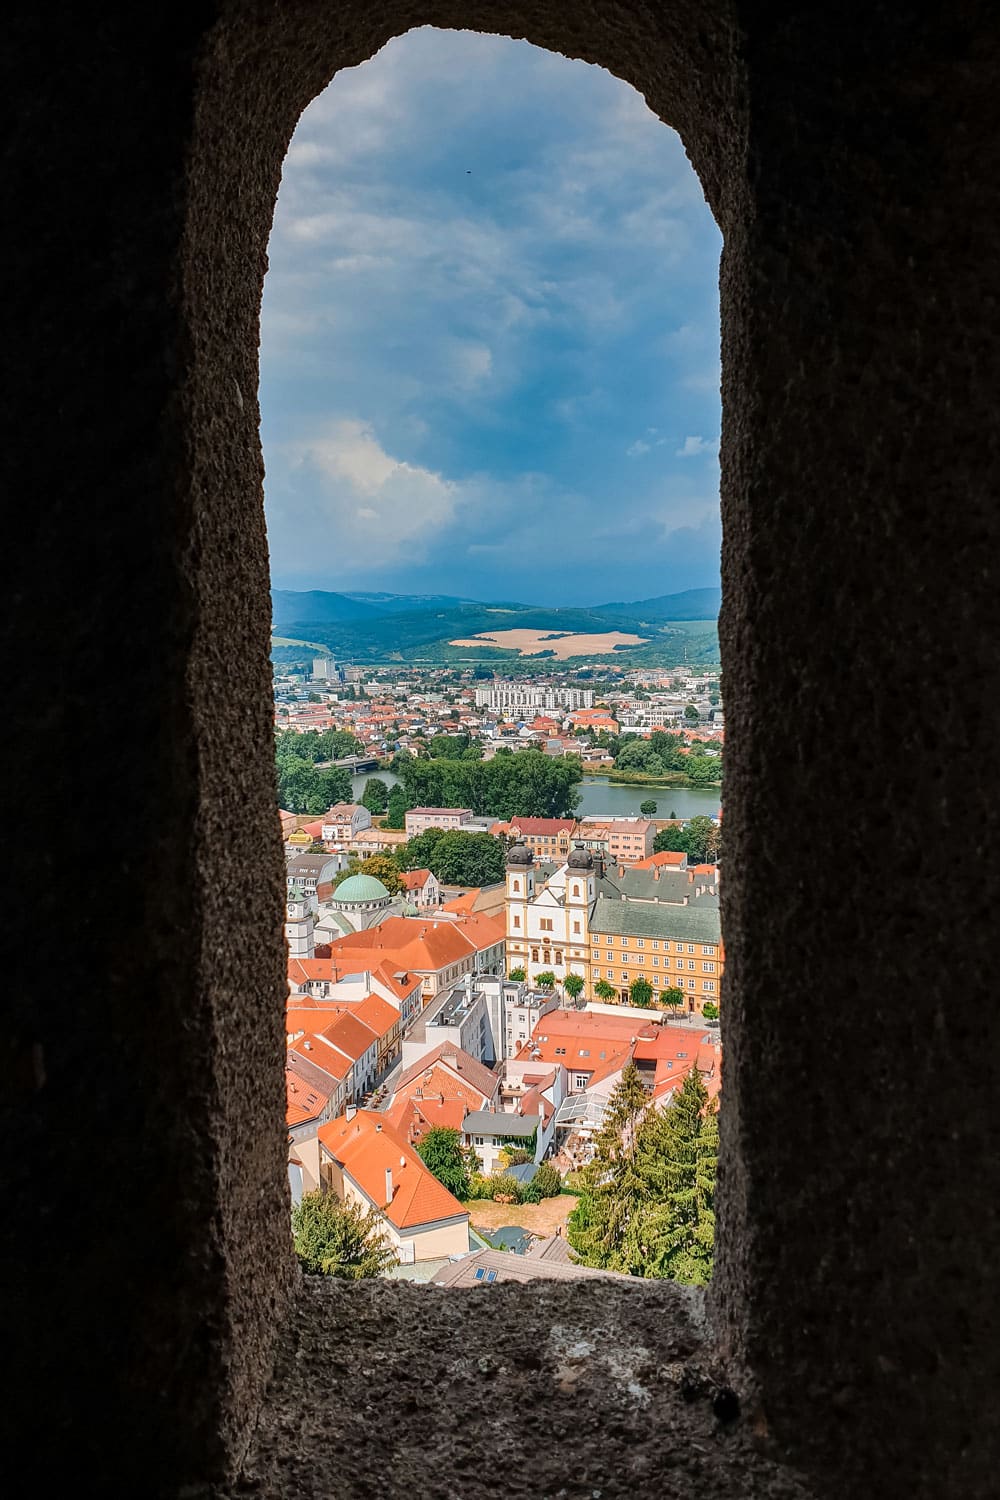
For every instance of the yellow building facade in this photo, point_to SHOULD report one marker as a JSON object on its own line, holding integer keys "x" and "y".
{"x": 615, "y": 926}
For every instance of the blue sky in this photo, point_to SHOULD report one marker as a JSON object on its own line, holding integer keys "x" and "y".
{"x": 490, "y": 335}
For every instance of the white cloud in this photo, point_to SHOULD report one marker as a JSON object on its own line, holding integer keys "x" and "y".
{"x": 697, "y": 447}
{"x": 637, "y": 449}
{"x": 338, "y": 482}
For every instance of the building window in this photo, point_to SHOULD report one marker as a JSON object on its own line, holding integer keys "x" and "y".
{"x": 546, "y": 924}
{"x": 595, "y": 954}
{"x": 690, "y": 948}
{"x": 576, "y": 927}
{"x": 582, "y": 1079}
{"x": 708, "y": 968}
{"x": 656, "y": 942}
{"x": 656, "y": 963}
{"x": 691, "y": 963}
{"x": 516, "y": 886}
{"x": 641, "y": 942}
{"x": 517, "y": 920}
{"x": 534, "y": 955}
{"x": 708, "y": 984}
{"x": 624, "y": 973}
{"x": 576, "y": 890}
{"x": 709, "y": 950}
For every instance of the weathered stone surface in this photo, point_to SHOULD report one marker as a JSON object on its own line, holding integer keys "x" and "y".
{"x": 850, "y": 156}
{"x": 553, "y": 1390}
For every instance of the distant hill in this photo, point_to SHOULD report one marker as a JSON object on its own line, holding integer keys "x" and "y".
{"x": 375, "y": 627}
{"x": 692, "y": 604}
{"x": 406, "y": 604}
{"x": 318, "y": 607}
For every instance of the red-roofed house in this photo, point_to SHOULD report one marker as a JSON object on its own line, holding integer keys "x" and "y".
{"x": 547, "y": 838}
{"x": 422, "y": 887}
{"x": 668, "y": 859}
{"x": 365, "y": 1160}
{"x": 440, "y": 952}
{"x": 313, "y": 1093}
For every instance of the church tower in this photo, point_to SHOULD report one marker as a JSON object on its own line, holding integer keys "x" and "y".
{"x": 299, "y": 926}
{"x": 519, "y": 895}
{"x": 581, "y": 893}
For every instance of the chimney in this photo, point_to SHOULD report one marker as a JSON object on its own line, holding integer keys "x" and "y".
{"x": 379, "y": 1125}
{"x": 351, "y": 1111}
{"x": 388, "y": 1185}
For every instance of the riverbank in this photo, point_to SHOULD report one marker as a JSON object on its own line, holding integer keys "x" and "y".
{"x": 648, "y": 778}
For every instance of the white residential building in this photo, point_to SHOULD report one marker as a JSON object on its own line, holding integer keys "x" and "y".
{"x": 344, "y": 821}
{"x": 511, "y": 698}
{"x": 419, "y": 819}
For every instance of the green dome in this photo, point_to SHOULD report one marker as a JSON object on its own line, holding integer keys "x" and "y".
{"x": 360, "y": 888}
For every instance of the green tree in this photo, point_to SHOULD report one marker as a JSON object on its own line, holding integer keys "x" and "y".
{"x": 339, "y": 1239}
{"x": 703, "y": 770}
{"x": 710, "y": 1011}
{"x": 648, "y": 1201}
{"x": 639, "y": 755}
{"x": 640, "y": 992}
{"x": 375, "y": 795}
{"x": 677, "y": 1157}
{"x": 673, "y": 838}
{"x": 396, "y": 808}
{"x": 573, "y": 985}
{"x": 447, "y": 745}
{"x": 672, "y": 998}
{"x": 648, "y": 808}
{"x": 442, "y": 1153}
{"x": 546, "y": 980}
{"x": 703, "y": 840}
{"x": 612, "y": 1195}
{"x": 528, "y": 784}
{"x": 605, "y": 991}
{"x": 518, "y": 975}
{"x": 383, "y": 867}
{"x": 691, "y": 714}
{"x": 468, "y": 859}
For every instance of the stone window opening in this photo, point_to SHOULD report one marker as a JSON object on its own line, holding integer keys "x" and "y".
{"x": 833, "y": 238}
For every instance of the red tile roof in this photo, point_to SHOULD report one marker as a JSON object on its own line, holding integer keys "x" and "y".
{"x": 456, "y": 1062}
{"x": 367, "y": 1146}
{"x": 540, "y": 827}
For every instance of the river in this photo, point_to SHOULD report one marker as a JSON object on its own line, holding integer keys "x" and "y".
{"x": 620, "y": 799}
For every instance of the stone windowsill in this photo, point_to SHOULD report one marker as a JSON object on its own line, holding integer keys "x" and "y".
{"x": 546, "y": 1390}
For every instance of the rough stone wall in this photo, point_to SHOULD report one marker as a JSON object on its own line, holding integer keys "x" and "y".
{"x": 861, "y": 649}
{"x": 850, "y": 160}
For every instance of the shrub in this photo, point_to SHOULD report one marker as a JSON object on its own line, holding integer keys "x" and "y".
{"x": 479, "y": 1186}
{"x": 503, "y": 1188}
{"x": 517, "y": 975}
{"x": 547, "y": 1180}
{"x": 710, "y": 1011}
{"x": 339, "y": 1239}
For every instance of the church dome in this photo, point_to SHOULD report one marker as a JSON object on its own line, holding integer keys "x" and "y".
{"x": 357, "y": 890}
{"x": 580, "y": 859}
{"x": 520, "y": 854}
